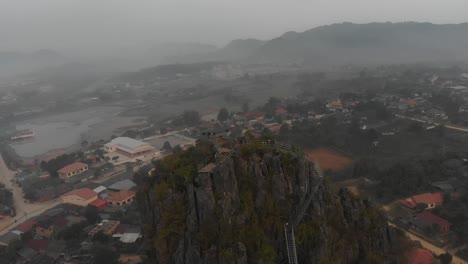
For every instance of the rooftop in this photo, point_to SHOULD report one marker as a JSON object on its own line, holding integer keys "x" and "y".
{"x": 38, "y": 244}
{"x": 425, "y": 198}
{"x": 420, "y": 256}
{"x": 281, "y": 111}
{"x": 254, "y": 115}
{"x": 98, "y": 203}
{"x": 120, "y": 195}
{"x": 432, "y": 218}
{"x": 8, "y": 237}
{"x": 100, "y": 189}
{"x": 129, "y": 237}
{"x": 84, "y": 193}
{"x": 126, "y": 184}
{"x": 26, "y": 226}
{"x": 126, "y": 142}
{"x": 72, "y": 167}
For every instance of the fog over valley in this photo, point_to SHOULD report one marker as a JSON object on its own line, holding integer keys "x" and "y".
{"x": 219, "y": 131}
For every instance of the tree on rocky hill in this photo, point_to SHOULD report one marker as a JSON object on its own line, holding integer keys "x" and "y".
{"x": 223, "y": 115}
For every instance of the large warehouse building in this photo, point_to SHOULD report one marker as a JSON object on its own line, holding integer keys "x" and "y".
{"x": 129, "y": 147}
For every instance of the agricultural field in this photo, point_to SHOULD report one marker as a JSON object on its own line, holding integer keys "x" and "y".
{"x": 329, "y": 159}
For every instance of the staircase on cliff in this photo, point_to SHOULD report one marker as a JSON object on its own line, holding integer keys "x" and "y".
{"x": 298, "y": 213}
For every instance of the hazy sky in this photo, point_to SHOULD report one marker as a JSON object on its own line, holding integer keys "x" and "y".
{"x": 106, "y": 26}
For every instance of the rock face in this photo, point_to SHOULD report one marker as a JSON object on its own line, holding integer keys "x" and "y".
{"x": 236, "y": 212}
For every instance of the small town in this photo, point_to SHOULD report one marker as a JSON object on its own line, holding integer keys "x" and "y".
{"x": 233, "y": 132}
{"x": 80, "y": 204}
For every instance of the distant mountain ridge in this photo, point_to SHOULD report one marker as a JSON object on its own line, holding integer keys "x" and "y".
{"x": 235, "y": 50}
{"x": 349, "y": 43}
{"x": 368, "y": 43}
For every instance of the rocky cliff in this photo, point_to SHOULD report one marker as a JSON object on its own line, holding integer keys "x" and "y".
{"x": 232, "y": 209}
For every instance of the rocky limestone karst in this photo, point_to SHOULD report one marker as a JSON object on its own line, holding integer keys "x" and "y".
{"x": 235, "y": 211}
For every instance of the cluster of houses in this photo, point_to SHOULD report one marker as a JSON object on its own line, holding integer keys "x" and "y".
{"x": 112, "y": 194}
{"x": 45, "y": 246}
{"x": 420, "y": 217}
{"x": 118, "y": 194}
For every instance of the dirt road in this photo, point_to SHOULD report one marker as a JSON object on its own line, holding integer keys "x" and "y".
{"x": 24, "y": 210}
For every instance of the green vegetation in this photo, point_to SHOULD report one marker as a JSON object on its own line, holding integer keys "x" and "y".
{"x": 6, "y": 199}
{"x": 188, "y": 118}
{"x": 105, "y": 255}
{"x": 73, "y": 232}
{"x": 182, "y": 166}
{"x": 258, "y": 222}
{"x": 223, "y": 115}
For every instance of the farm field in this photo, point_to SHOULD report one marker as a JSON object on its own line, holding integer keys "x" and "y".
{"x": 329, "y": 159}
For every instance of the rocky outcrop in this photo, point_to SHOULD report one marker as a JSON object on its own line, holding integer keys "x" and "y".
{"x": 236, "y": 213}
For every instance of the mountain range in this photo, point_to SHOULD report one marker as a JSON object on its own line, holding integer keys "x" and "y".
{"x": 348, "y": 43}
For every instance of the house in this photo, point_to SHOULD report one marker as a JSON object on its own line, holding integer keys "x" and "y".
{"x": 254, "y": 115}
{"x": 128, "y": 234}
{"x": 420, "y": 256}
{"x": 39, "y": 245}
{"x": 281, "y": 111}
{"x": 7, "y": 238}
{"x": 45, "y": 228}
{"x": 26, "y": 226}
{"x": 81, "y": 197}
{"x": 98, "y": 203}
{"x": 107, "y": 227}
{"x": 431, "y": 200}
{"x": 428, "y": 220}
{"x": 99, "y": 189}
{"x": 129, "y": 147}
{"x": 121, "y": 197}
{"x": 335, "y": 105}
{"x": 275, "y": 128}
{"x": 72, "y": 170}
{"x": 411, "y": 103}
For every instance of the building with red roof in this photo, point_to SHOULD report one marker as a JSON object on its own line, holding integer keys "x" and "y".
{"x": 121, "y": 197}
{"x": 431, "y": 219}
{"x": 39, "y": 245}
{"x": 26, "y": 226}
{"x": 81, "y": 197}
{"x": 98, "y": 203}
{"x": 420, "y": 256}
{"x": 254, "y": 115}
{"x": 411, "y": 103}
{"x": 275, "y": 128}
{"x": 335, "y": 104}
{"x": 431, "y": 200}
{"x": 281, "y": 111}
{"x": 72, "y": 170}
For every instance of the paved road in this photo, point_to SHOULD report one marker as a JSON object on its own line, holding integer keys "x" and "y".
{"x": 463, "y": 129}
{"x": 24, "y": 210}
{"x": 163, "y": 135}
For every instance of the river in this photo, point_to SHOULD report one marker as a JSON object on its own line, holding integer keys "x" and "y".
{"x": 63, "y": 131}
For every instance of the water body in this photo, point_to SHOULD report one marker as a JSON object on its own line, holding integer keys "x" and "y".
{"x": 68, "y": 130}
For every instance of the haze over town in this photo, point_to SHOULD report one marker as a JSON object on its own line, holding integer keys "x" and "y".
{"x": 110, "y": 28}
{"x": 216, "y": 131}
